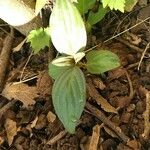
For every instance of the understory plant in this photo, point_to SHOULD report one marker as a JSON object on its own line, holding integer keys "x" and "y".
{"x": 68, "y": 34}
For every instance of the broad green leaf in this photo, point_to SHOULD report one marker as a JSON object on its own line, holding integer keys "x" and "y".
{"x": 84, "y": 5}
{"x": 114, "y": 4}
{"x": 69, "y": 97}
{"x": 100, "y": 61}
{"x": 55, "y": 71}
{"x": 130, "y": 4}
{"x": 39, "y": 5}
{"x": 38, "y": 39}
{"x": 94, "y": 18}
{"x": 67, "y": 29}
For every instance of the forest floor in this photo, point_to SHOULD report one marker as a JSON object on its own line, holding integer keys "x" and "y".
{"x": 27, "y": 117}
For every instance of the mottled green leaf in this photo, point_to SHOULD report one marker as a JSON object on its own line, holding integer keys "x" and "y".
{"x": 69, "y": 97}
{"x": 38, "y": 39}
{"x": 114, "y": 4}
{"x": 100, "y": 61}
{"x": 67, "y": 29}
{"x": 84, "y": 5}
{"x": 130, "y": 4}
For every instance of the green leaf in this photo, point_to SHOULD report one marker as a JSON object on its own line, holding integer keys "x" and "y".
{"x": 55, "y": 71}
{"x": 114, "y": 4}
{"x": 100, "y": 61}
{"x": 38, "y": 39}
{"x": 67, "y": 29}
{"x": 130, "y": 4}
{"x": 69, "y": 97}
{"x": 84, "y": 5}
{"x": 39, "y": 5}
{"x": 94, "y": 18}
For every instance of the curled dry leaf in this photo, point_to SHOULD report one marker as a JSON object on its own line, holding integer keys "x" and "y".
{"x": 95, "y": 138}
{"x": 22, "y": 92}
{"x": 11, "y": 130}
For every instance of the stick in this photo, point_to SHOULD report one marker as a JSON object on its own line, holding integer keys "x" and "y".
{"x": 4, "y": 57}
{"x": 97, "y": 113}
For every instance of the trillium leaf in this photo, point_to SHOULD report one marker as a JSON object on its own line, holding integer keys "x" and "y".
{"x": 67, "y": 29}
{"x": 100, "y": 61}
{"x": 55, "y": 71}
{"x": 69, "y": 97}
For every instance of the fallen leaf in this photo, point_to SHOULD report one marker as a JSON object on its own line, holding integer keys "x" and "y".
{"x": 33, "y": 124}
{"x": 11, "y": 130}
{"x": 44, "y": 83}
{"x": 22, "y": 92}
{"x": 51, "y": 117}
{"x": 1, "y": 140}
{"x": 134, "y": 144}
{"x": 95, "y": 138}
{"x": 99, "y": 83}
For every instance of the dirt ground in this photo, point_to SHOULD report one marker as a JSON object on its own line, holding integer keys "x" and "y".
{"x": 27, "y": 117}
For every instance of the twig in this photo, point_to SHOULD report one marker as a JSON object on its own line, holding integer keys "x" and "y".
{"x": 132, "y": 65}
{"x": 127, "y": 29}
{"x": 130, "y": 85}
{"x": 57, "y": 137}
{"x": 143, "y": 54}
{"x": 22, "y": 72}
{"x": 146, "y": 115}
{"x": 4, "y": 57}
{"x": 139, "y": 50}
{"x": 97, "y": 113}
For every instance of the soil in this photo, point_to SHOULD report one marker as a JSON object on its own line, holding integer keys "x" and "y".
{"x": 27, "y": 116}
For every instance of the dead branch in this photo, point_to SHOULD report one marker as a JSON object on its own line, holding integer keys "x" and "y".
{"x": 97, "y": 113}
{"x": 4, "y": 57}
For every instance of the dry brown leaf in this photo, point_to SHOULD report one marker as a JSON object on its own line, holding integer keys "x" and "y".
{"x": 95, "y": 138}
{"x": 33, "y": 124}
{"x": 11, "y": 130}
{"x": 44, "y": 83}
{"x": 99, "y": 99}
{"x": 1, "y": 140}
{"x": 22, "y": 92}
{"x": 135, "y": 145}
{"x": 99, "y": 83}
{"x": 51, "y": 117}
